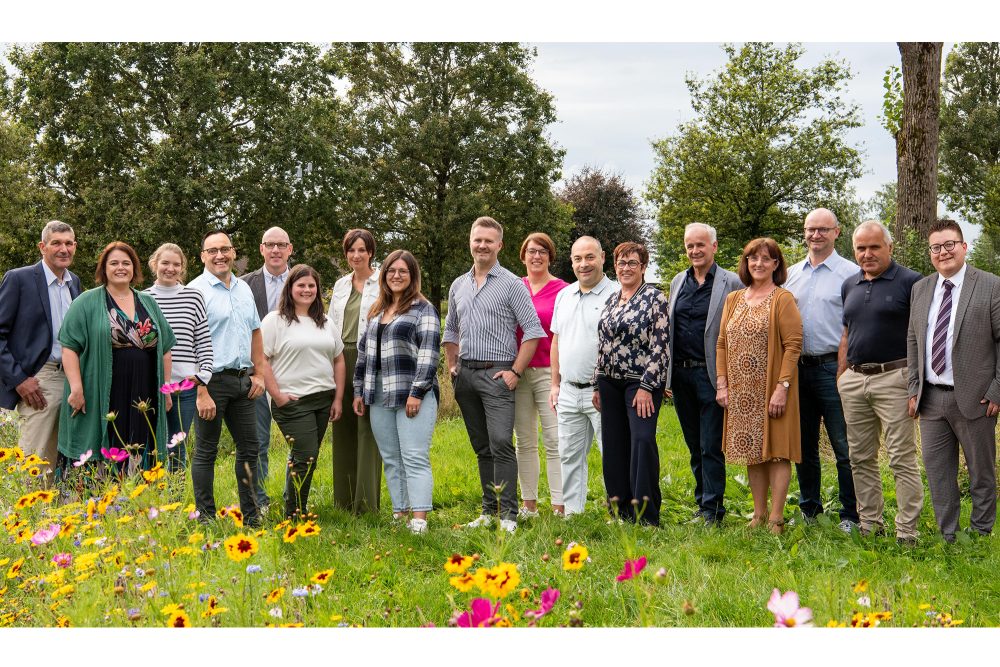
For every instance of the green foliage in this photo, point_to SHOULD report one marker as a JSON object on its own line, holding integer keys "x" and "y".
{"x": 604, "y": 207}
{"x": 985, "y": 253}
{"x": 448, "y": 132}
{"x": 892, "y": 100}
{"x": 767, "y": 144}
{"x": 154, "y": 142}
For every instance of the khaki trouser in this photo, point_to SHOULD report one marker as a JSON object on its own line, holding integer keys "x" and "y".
{"x": 40, "y": 428}
{"x": 531, "y": 404}
{"x": 873, "y": 403}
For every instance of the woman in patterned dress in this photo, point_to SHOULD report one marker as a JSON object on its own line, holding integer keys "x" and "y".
{"x": 760, "y": 339}
{"x": 631, "y": 373}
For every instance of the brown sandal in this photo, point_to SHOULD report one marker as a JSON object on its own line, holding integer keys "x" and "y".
{"x": 757, "y": 521}
{"x": 776, "y": 527}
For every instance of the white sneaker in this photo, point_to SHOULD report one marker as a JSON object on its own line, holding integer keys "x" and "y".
{"x": 525, "y": 513}
{"x": 482, "y": 520}
{"x": 509, "y": 525}
{"x": 417, "y": 526}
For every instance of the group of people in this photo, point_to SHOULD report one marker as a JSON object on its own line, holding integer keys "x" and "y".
{"x": 754, "y": 360}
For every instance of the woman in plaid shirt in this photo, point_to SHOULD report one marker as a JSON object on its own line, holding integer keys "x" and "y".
{"x": 396, "y": 375}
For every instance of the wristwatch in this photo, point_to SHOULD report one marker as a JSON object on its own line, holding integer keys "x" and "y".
{"x": 785, "y": 383}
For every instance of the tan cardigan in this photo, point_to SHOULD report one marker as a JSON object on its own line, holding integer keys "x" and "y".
{"x": 784, "y": 345}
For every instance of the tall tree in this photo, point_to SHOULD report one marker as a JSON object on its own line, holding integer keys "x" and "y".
{"x": 767, "y": 144}
{"x": 917, "y": 138}
{"x": 970, "y": 133}
{"x": 149, "y": 142}
{"x": 604, "y": 207}
{"x": 449, "y": 132}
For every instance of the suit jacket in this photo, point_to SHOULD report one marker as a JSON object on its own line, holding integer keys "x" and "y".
{"x": 975, "y": 353}
{"x": 724, "y": 283}
{"x": 25, "y": 327}
{"x": 255, "y": 279}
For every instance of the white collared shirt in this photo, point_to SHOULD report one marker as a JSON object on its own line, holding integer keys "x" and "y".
{"x": 575, "y": 317}
{"x": 272, "y": 287}
{"x": 948, "y": 376}
{"x": 59, "y": 300}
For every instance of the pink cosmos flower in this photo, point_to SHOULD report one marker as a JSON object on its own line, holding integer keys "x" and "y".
{"x": 632, "y": 568}
{"x": 153, "y": 513}
{"x": 548, "y": 600}
{"x": 481, "y": 616}
{"x": 44, "y": 535}
{"x": 174, "y": 387}
{"x": 176, "y": 439}
{"x": 83, "y": 458}
{"x": 786, "y": 610}
{"x": 115, "y": 454}
{"x": 63, "y": 559}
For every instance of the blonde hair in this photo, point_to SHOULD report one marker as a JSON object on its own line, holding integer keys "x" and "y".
{"x": 169, "y": 247}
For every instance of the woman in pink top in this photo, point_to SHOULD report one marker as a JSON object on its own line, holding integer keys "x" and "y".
{"x": 531, "y": 398}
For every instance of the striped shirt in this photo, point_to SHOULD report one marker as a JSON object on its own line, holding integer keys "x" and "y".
{"x": 184, "y": 310}
{"x": 482, "y": 321}
{"x": 410, "y": 351}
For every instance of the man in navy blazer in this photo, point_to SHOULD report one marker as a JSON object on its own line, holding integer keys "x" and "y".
{"x": 33, "y": 302}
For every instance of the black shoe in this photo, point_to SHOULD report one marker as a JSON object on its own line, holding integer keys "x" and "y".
{"x": 949, "y": 538}
{"x": 906, "y": 541}
{"x": 713, "y": 521}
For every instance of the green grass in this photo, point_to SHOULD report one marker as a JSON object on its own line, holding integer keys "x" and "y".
{"x": 384, "y": 576}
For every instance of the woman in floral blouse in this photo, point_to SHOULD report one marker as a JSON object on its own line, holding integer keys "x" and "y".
{"x": 631, "y": 373}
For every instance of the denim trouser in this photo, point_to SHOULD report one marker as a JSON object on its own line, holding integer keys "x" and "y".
{"x": 818, "y": 397}
{"x": 701, "y": 422}
{"x": 405, "y": 445}
{"x": 179, "y": 419}
{"x": 631, "y": 460}
{"x": 232, "y": 405}
{"x": 303, "y": 423}
{"x": 579, "y": 423}
{"x": 263, "y": 407}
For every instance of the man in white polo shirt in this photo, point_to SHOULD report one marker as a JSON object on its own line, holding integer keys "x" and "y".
{"x": 574, "y": 356}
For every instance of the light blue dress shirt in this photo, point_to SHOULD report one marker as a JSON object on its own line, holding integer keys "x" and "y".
{"x": 59, "y": 300}
{"x": 273, "y": 286}
{"x": 232, "y": 319}
{"x": 817, "y": 294}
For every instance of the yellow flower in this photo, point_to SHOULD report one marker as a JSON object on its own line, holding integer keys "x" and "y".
{"x": 197, "y": 584}
{"x": 148, "y": 587}
{"x": 240, "y": 547}
{"x": 274, "y": 595}
{"x": 154, "y": 473}
{"x": 63, "y": 622}
{"x": 233, "y": 513}
{"x": 336, "y": 617}
{"x": 144, "y": 558}
{"x": 574, "y": 557}
{"x": 503, "y": 622}
{"x": 458, "y": 564}
{"x": 195, "y": 538}
{"x": 125, "y": 519}
{"x": 309, "y": 529}
{"x": 322, "y": 577}
{"x": 179, "y": 619}
{"x": 63, "y": 591}
{"x": 833, "y": 623}
{"x": 861, "y": 586}
{"x": 508, "y": 579}
{"x": 27, "y": 500}
{"x": 183, "y": 551}
{"x": 15, "y": 569}
{"x": 213, "y": 608}
{"x": 463, "y": 582}
{"x": 44, "y": 496}
{"x": 291, "y": 532}
{"x": 34, "y": 471}
{"x": 170, "y": 507}
{"x": 922, "y": 607}
{"x": 171, "y": 608}
{"x": 290, "y": 625}
{"x": 6, "y": 453}
{"x": 138, "y": 490}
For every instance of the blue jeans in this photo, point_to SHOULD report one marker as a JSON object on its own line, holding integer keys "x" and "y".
{"x": 405, "y": 445}
{"x": 819, "y": 398}
{"x": 701, "y": 422}
{"x": 263, "y": 407}
{"x": 179, "y": 419}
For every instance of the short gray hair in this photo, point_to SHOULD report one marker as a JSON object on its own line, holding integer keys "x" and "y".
{"x": 867, "y": 224}
{"x": 55, "y": 227}
{"x": 703, "y": 227}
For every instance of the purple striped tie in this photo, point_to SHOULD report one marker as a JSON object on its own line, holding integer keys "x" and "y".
{"x": 941, "y": 331}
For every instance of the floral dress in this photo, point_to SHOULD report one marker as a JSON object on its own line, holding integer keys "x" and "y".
{"x": 746, "y": 335}
{"x": 133, "y": 375}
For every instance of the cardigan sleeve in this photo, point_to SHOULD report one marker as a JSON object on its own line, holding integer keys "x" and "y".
{"x": 721, "y": 354}
{"x": 789, "y": 323}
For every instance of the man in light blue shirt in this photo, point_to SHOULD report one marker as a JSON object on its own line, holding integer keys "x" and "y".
{"x": 238, "y": 359}
{"x": 816, "y": 283}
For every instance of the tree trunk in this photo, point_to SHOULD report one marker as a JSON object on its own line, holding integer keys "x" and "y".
{"x": 917, "y": 139}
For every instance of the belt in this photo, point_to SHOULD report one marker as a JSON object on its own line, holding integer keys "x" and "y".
{"x": 692, "y": 363}
{"x": 582, "y": 385}
{"x": 941, "y": 387}
{"x": 483, "y": 365}
{"x": 57, "y": 364}
{"x": 875, "y": 369}
{"x": 235, "y": 372}
{"x": 807, "y": 360}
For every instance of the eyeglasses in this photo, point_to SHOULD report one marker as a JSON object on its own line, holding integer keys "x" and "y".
{"x": 822, "y": 231}
{"x": 402, "y": 273}
{"x": 212, "y": 252}
{"x": 947, "y": 245}
{"x": 539, "y": 252}
{"x": 271, "y": 245}
{"x": 631, "y": 264}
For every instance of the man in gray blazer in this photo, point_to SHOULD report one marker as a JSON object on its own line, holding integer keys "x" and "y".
{"x": 953, "y": 357}
{"x": 266, "y": 284}
{"x": 696, "y": 298}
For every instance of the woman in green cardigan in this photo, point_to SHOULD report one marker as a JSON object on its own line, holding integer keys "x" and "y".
{"x": 116, "y": 353}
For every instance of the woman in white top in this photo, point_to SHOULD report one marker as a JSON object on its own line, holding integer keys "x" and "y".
{"x": 184, "y": 310}
{"x": 357, "y": 466}
{"x": 299, "y": 343}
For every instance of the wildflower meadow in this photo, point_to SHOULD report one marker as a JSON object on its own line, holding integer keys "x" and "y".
{"x": 129, "y": 550}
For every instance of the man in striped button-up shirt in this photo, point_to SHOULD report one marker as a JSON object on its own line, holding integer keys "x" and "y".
{"x": 485, "y": 307}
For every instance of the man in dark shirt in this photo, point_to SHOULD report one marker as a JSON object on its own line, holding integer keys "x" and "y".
{"x": 696, "y": 298}
{"x": 873, "y": 381}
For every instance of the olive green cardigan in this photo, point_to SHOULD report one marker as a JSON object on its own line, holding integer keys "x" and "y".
{"x": 87, "y": 331}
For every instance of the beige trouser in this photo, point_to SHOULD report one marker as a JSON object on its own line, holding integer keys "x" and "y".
{"x": 873, "y": 403}
{"x": 531, "y": 403}
{"x": 40, "y": 428}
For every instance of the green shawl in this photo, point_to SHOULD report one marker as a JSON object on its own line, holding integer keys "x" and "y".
{"x": 86, "y": 331}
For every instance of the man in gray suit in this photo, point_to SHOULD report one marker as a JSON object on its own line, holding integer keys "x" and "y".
{"x": 953, "y": 357}
{"x": 696, "y": 298}
{"x": 266, "y": 284}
